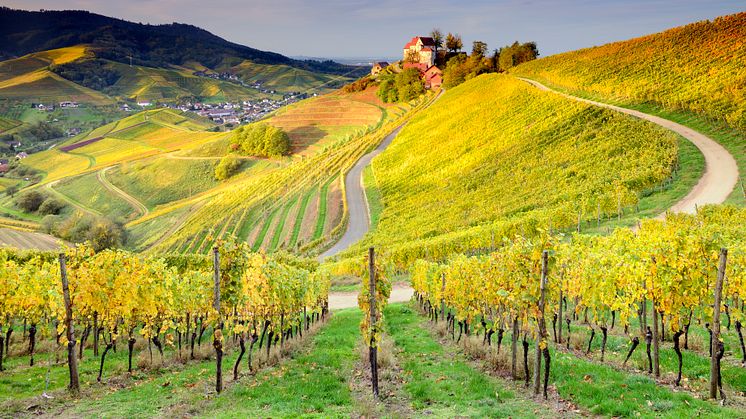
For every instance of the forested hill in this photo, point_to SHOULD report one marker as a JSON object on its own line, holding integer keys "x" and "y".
{"x": 23, "y": 32}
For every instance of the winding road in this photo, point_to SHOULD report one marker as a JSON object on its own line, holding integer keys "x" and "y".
{"x": 721, "y": 170}
{"x": 716, "y": 184}
{"x": 357, "y": 202}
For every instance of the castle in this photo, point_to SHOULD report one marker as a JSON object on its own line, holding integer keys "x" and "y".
{"x": 420, "y": 50}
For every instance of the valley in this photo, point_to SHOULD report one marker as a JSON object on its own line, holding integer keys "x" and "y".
{"x": 193, "y": 227}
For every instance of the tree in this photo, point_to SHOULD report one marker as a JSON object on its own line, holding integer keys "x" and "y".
{"x": 478, "y": 49}
{"x": 412, "y": 57}
{"x": 105, "y": 234}
{"x": 437, "y": 36}
{"x": 51, "y": 206}
{"x": 454, "y": 42}
{"x": 31, "y": 201}
{"x": 227, "y": 167}
{"x": 261, "y": 139}
{"x": 517, "y": 53}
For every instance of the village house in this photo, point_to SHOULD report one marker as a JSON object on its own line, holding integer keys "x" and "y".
{"x": 433, "y": 77}
{"x": 378, "y": 67}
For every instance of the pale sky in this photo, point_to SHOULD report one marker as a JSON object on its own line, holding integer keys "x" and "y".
{"x": 379, "y": 28}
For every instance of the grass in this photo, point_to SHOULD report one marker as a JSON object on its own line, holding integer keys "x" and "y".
{"x": 727, "y": 136}
{"x": 277, "y": 235}
{"x": 311, "y": 384}
{"x": 445, "y": 384}
{"x": 375, "y": 205}
{"x": 263, "y": 232}
{"x": 299, "y": 218}
{"x": 323, "y": 204}
{"x": 87, "y": 191}
{"x": 162, "y": 180}
{"x": 605, "y": 389}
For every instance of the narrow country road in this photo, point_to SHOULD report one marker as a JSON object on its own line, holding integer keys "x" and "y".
{"x": 721, "y": 170}
{"x": 714, "y": 187}
{"x": 357, "y": 203}
{"x": 137, "y": 205}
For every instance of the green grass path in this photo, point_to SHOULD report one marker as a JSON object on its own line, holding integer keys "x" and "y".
{"x": 313, "y": 383}
{"x": 444, "y": 384}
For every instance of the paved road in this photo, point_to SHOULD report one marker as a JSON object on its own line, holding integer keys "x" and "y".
{"x": 721, "y": 170}
{"x": 357, "y": 203}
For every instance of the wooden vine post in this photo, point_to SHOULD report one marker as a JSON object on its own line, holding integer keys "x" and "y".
{"x": 72, "y": 360}
{"x": 715, "y": 356}
{"x": 443, "y": 297}
{"x": 373, "y": 347}
{"x": 217, "y": 342}
{"x": 541, "y": 338}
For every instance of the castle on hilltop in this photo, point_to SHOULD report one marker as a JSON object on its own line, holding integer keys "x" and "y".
{"x": 420, "y": 50}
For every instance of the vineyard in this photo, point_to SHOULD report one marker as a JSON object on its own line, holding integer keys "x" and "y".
{"x": 513, "y": 160}
{"x": 118, "y": 297}
{"x": 264, "y": 209}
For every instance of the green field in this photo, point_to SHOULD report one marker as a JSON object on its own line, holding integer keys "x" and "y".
{"x": 86, "y": 190}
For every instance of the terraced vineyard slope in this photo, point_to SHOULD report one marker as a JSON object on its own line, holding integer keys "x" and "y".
{"x": 495, "y": 156}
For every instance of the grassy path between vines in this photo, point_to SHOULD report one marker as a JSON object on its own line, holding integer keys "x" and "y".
{"x": 607, "y": 390}
{"x": 445, "y": 384}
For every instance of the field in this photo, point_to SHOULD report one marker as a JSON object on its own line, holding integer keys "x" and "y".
{"x": 264, "y": 208}
{"x": 314, "y": 123}
{"x": 157, "y": 84}
{"x": 87, "y": 191}
{"x": 284, "y": 78}
{"x": 508, "y": 140}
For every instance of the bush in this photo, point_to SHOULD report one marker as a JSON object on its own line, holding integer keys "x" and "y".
{"x": 261, "y": 140}
{"x": 102, "y": 233}
{"x": 31, "y": 201}
{"x": 51, "y": 206}
{"x": 227, "y": 167}
{"x": 401, "y": 87}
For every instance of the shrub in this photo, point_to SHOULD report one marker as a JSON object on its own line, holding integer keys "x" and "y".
{"x": 31, "y": 201}
{"x": 227, "y": 167}
{"x": 262, "y": 140}
{"x": 51, "y": 206}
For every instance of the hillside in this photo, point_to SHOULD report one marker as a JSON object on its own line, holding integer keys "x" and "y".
{"x": 495, "y": 157}
{"x": 23, "y": 32}
{"x": 696, "y": 68}
{"x": 75, "y": 55}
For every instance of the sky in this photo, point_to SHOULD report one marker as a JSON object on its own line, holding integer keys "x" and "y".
{"x": 380, "y": 28}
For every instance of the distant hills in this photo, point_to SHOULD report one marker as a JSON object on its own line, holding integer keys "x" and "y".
{"x": 135, "y": 61}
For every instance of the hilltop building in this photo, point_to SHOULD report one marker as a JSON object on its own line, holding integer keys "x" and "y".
{"x": 378, "y": 67}
{"x": 420, "y": 50}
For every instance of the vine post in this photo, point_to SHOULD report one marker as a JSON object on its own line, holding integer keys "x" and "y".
{"x": 72, "y": 361}
{"x": 217, "y": 342}
{"x": 442, "y": 296}
{"x": 373, "y": 347}
{"x": 541, "y": 338}
{"x": 714, "y": 359}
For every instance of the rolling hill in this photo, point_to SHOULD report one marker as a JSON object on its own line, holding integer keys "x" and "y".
{"x": 496, "y": 157}
{"x": 89, "y": 58}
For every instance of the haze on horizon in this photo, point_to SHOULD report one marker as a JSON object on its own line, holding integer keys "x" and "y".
{"x": 364, "y": 28}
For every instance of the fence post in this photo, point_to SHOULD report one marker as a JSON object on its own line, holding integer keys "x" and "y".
{"x": 72, "y": 361}
{"x": 542, "y": 333}
{"x": 373, "y": 347}
{"x": 714, "y": 361}
{"x": 443, "y": 297}
{"x": 217, "y": 342}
